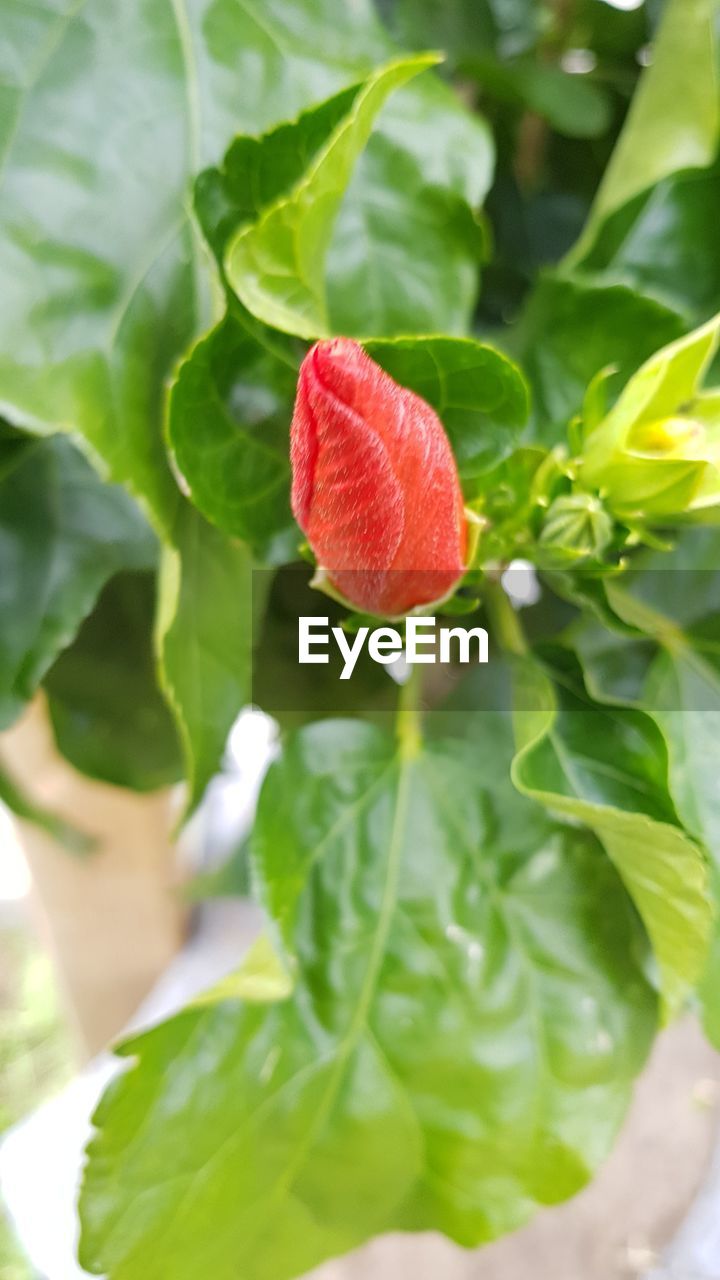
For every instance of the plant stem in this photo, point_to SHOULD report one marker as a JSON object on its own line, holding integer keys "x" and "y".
{"x": 408, "y": 725}
{"x": 505, "y": 622}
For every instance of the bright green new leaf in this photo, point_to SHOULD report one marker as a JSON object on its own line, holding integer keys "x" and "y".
{"x": 63, "y": 534}
{"x": 257, "y": 171}
{"x": 277, "y": 265}
{"x": 656, "y": 456}
{"x": 607, "y": 766}
{"x": 469, "y": 1013}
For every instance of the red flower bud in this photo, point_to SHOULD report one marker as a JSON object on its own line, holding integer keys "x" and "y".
{"x": 375, "y": 485}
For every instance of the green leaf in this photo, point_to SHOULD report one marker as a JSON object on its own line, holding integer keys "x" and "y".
{"x": 469, "y": 1013}
{"x": 674, "y": 671}
{"x": 228, "y": 427}
{"x": 204, "y": 635}
{"x": 256, "y": 172}
{"x": 276, "y": 266}
{"x": 108, "y": 716}
{"x": 479, "y": 394}
{"x": 63, "y": 533}
{"x": 404, "y": 257}
{"x": 665, "y": 242}
{"x": 607, "y": 766}
{"x": 674, "y": 120}
{"x": 572, "y": 330}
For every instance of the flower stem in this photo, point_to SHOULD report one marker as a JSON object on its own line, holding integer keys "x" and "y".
{"x": 504, "y": 620}
{"x": 408, "y": 725}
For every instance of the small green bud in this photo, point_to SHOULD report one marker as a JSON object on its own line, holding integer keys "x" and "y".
{"x": 576, "y": 527}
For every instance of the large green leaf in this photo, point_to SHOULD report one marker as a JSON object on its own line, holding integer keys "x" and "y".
{"x": 63, "y": 533}
{"x": 277, "y": 265}
{"x": 674, "y": 120}
{"x": 607, "y": 766}
{"x": 107, "y": 713}
{"x": 573, "y": 330}
{"x": 405, "y": 255}
{"x": 469, "y": 1012}
{"x": 204, "y": 636}
{"x": 665, "y": 242}
{"x": 103, "y": 275}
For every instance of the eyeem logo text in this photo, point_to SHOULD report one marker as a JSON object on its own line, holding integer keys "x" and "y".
{"x": 423, "y": 643}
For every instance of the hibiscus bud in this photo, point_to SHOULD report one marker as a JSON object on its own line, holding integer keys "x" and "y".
{"x": 375, "y": 485}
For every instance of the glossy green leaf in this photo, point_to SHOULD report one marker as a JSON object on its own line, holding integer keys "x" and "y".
{"x": 572, "y": 330}
{"x": 63, "y": 533}
{"x": 108, "y": 715}
{"x": 228, "y": 428}
{"x": 479, "y": 394}
{"x": 607, "y": 767}
{"x": 469, "y": 1012}
{"x": 405, "y": 255}
{"x": 277, "y": 265}
{"x": 665, "y": 242}
{"x": 657, "y": 142}
{"x": 204, "y": 635}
